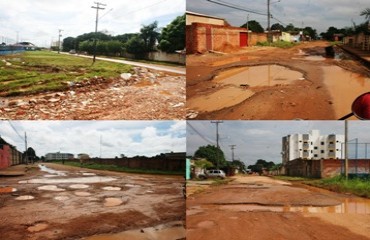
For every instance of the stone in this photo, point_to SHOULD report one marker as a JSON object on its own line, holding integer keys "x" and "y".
{"x": 126, "y": 76}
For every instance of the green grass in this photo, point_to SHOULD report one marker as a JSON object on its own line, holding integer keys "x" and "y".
{"x": 115, "y": 168}
{"x": 359, "y": 187}
{"x": 288, "y": 178}
{"x": 39, "y": 71}
{"x": 279, "y": 44}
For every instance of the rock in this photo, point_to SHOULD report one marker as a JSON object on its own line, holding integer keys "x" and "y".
{"x": 53, "y": 100}
{"x": 178, "y": 105}
{"x": 32, "y": 101}
{"x": 8, "y": 64}
{"x": 126, "y": 76}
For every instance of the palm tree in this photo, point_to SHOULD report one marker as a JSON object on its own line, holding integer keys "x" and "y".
{"x": 366, "y": 13}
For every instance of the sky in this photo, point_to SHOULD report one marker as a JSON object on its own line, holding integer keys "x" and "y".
{"x": 317, "y": 14}
{"x": 262, "y": 139}
{"x": 38, "y": 21}
{"x": 130, "y": 138}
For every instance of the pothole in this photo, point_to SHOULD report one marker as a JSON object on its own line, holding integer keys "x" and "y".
{"x": 61, "y": 198}
{"x": 25, "y": 197}
{"x": 82, "y": 194}
{"x": 132, "y": 185}
{"x": 78, "y": 186}
{"x": 94, "y": 179}
{"x": 38, "y": 227}
{"x": 53, "y": 188}
{"x": 206, "y": 224}
{"x": 112, "y": 202}
{"x": 7, "y": 190}
{"x": 88, "y": 174}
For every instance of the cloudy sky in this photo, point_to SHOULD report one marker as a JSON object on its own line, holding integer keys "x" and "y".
{"x": 38, "y": 21}
{"x": 262, "y": 139}
{"x": 318, "y": 14}
{"x": 131, "y": 138}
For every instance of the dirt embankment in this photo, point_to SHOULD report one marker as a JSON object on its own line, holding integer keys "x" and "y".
{"x": 256, "y": 207}
{"x": 76, "y": 203}
{"x": 307, "y": 99}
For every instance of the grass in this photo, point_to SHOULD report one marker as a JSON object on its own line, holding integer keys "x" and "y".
{"x": 40, "y": 71}
{"x": 359, "y": 187}
{"x": 279, "y": 44}
{"x": 288, "y": 178}
{"x": 115, "y": 168}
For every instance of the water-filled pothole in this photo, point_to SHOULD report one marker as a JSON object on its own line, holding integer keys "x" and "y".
{"x": 78, "y": 186}
{"x": 61, "y": 198}
{"x": 51, "y": 171}
{"x": 112, "y": 202}
{"x": 38, "y": 227}
{"x": 7, "y": 190}
{"x": 25, "y": 197}
{"x": 53, "y": 188}
{"x": 82, "y": 194}
{"x": 94, "y": 179}
{"x": 111, "y": 188}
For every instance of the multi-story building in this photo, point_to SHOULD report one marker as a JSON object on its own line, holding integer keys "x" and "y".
{"x": 312, "y": 146}
{"x": 58, "y": 156}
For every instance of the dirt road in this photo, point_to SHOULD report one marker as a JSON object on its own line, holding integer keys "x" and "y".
{"x": 255, "y": 207}
{"x": 273, "y": 83}
{"x": 61, "y": 202}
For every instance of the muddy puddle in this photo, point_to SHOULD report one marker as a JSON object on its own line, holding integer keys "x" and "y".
{"x": 4, "y": 190}
{"x": 344, "y": 87}
{"x": 51, "y": 171}
{"x": 61, "y": 198}
{"x": 95, "y": 179}
{"x": 79, "y": 186}
{"x": 218, "y": 63}
{"x": 112, "y": 202}
{"x": 352, "y": 206}
{"x": 38, "y": 227}
{"x": 52, "y": 188}
{"x": 111, "y": 188}
{"x": 236, "y": 85}
{"x": 170, "y": 231}
{"x": 25, "y": 197}
{"x": 82, "y": 194}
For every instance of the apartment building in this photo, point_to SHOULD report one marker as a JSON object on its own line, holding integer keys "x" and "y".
{"x": 58, "y": 156}
{"x": 312, "y": 146}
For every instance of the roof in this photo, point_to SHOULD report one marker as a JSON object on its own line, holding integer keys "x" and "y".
{"x": 203, "y": 15}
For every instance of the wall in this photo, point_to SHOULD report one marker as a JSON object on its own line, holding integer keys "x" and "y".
{"x": 202, "y": 37}
{"x": 325, "y": 167}
{"x": 5, "y": 156}
{"x": 161, "y": 163}
{"x": 254, "y": 38}
{"x": 160, "y": 56}
{"x": 190, "y": 19}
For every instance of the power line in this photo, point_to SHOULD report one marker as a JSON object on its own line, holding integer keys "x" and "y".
{"x": 200, "y": 135}
{"x": 98, "y": 4}
{"x": 15, "y": 130}
{"x": 237, "y": 7}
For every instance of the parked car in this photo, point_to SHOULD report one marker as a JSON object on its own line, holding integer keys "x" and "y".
{"x": 215, "y": 173}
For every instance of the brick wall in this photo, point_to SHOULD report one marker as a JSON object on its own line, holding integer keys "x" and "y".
{"x": 254, "y": 38}
{"x": 325, "y": 167}
{"x": 202, "y": 37}
{"x": 5, "y": 156}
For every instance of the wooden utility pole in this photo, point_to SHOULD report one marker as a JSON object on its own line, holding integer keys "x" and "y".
{"x": 232, "y": 151}
{"x": 268, "y": 22}
{"x": 217, "y": 138}
{"x": 346, "y": 148}
{"x": 98, "y": 4}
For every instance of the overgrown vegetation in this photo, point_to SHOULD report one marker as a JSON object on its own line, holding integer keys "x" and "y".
{"x": 116, "y": 168}
{"x": 41, "y": 71}
{"x": 279, "y": 44}
{"x": 359, "y": 187}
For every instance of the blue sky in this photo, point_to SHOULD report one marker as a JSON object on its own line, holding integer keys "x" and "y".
{"x": 131, "y": 138}
{"x": 317, "y": 14}
{"x": 262, "y": 139}
{"x": 38, "y": 21}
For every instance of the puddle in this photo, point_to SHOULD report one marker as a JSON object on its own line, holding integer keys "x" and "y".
{"x": 82, "y": 194}
{"x": 7, "y": 190}
{"x": 25, "y": 197}
{"x": 78, "y": 186}
{"x": 61, "y": 198}
{"x": 236, "y": 83}
{"x": 112, "y": 188}
{"x": 344, "y": 87}
{"x": 49, "y": 176}
{"x": 51, "y": 171}
{"x": 51, "y": 188}
{"x": 163, "y": 232}
{"x": 231, "y": 60}
{"x": 71, "y": 180}
{"x": 132, "y": 185}
{"x": 112, "y": 202}
{"x": 353, "y": 206}
{"x": 38, "y": 227}
{"x": 88, "y": 174}
{"x": 315, "y": 58}
{"x": 193, "y": 212}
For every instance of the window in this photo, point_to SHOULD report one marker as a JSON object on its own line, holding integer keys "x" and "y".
{"x": 322, "y": 151}
{"x": 315, "y": 148}
{"x": 322, "y": 143}
{"x": 331, "y": 142}
{"x": 331, "y": 151}
{"x": 305, "y": 151}
{"x": 315, "y": 155}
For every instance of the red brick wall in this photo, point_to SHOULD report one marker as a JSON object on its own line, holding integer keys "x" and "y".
{"x": 254, "y": 38}
{"x": 219, "y": 38}
{"x": 5, "y": 156}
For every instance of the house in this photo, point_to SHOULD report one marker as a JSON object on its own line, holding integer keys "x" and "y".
{"x": 209, "y": 33}
{"x": 27, "y": 46}
{"x": 9, "y": 155}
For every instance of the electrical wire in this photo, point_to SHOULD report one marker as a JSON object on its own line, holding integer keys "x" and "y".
{"x": 15, "y": 130}
{"x": 197, "y": 132}
{"x": 236, "y": 7}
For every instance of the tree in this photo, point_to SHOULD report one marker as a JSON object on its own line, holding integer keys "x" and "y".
{"x": 366, "y": 13}
{"x": 329, "y": 34}
{"x": 260, "y": 165}
{"x": 149, "y": 35}
{"x": 254, "y": 26}
{"x": 310, "y": 32}
{"x": 277, "y": 26}
{"x": 68, "y": 44}
{"x": 203, "y": 163}
{"x": 238, "y": 164}
{"x": 31, "y": 154}
{"x": 173, "y": 35}
{"x": 135, "y": 45}
{"x": 213, "y": 154}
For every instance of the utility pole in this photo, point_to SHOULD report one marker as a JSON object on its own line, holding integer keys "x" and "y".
{"x": 59, "y": 35}
{"x": 248, "y": 30}
{"x": 232, "y": 151}
{"x": 25, "y": 144}
{"x": 217, "y": 138}
{"x": 100, "y": 146}
{"x": 98, "y": 4}
{"x": 268, "y": 22}
{"x": 346, "y": 148}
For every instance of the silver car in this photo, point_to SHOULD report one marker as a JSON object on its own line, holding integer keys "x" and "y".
{"x": 215, "y": 173}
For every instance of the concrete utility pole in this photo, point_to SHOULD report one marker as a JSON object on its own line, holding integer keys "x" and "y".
{"x": 98, "y": 4}
{"x": 268, "y": 22}
{"x": 346, "y": 148}
{"x": 25, "y": 144}
{"x": 232, "y": 151}
{"x": 59, "y": 36}
{"x": 217, "y": 138}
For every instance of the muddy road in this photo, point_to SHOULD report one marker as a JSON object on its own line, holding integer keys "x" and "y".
{"x": 256, "y": 207}
{"x": 62, "y": 202}
{"x": 274, "y": 84}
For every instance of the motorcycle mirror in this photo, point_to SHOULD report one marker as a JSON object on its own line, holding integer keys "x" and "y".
{"x": 361, "y": 106}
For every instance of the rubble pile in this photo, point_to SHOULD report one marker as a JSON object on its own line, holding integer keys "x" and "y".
{"x": 143, "y": 94}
